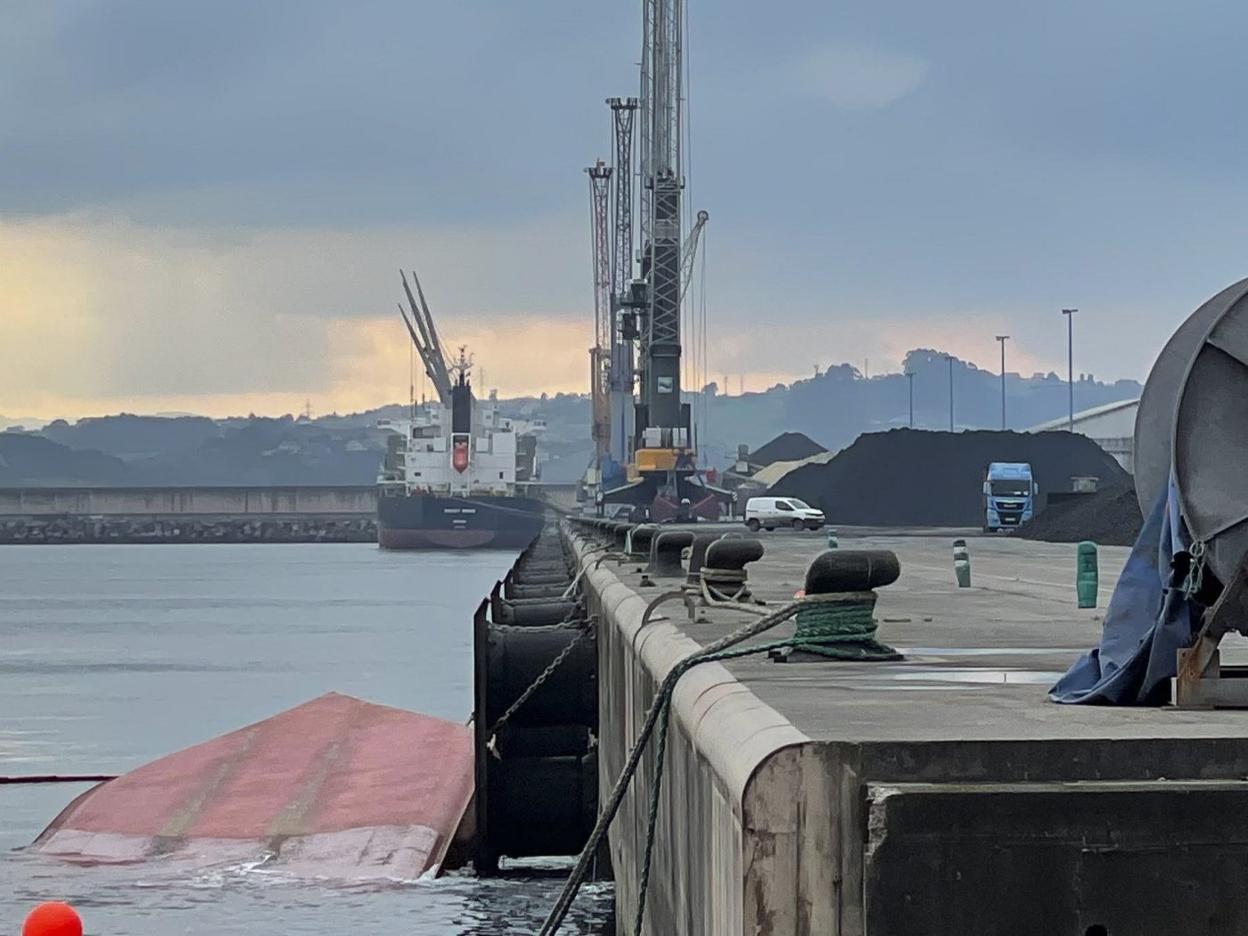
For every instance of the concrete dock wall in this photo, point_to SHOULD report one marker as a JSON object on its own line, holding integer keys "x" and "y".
{"x": 937, "y": 794}
{"x": 326, "y": 500}
{"x": 733, "y": 854}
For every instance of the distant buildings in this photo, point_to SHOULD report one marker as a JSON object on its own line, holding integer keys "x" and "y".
{"x": 1111, "y": 426}
{"x": 754, "y": 472}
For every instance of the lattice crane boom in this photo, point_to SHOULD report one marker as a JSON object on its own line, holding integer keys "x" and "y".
{"x": 689, "y": 252}
{"x": 600, "y": 354}
{"x": 661, "y": 219}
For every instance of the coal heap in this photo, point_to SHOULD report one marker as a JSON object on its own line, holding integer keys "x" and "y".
{"x": 911, "y": 477}
{"x": 788, "y": 446}
{"x": 1110, "y": 517}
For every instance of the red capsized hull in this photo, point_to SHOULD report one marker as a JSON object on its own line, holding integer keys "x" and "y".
{"x": 335, "y": 788}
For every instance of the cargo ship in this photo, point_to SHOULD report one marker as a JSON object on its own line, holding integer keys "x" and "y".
{"x": 452, "y": 471}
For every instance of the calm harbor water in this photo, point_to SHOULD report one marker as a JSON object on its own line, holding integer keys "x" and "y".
{"x": 111, "y": 656}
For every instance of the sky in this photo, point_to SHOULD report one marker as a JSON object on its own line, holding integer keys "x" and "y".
{"x": 204, "y": 206}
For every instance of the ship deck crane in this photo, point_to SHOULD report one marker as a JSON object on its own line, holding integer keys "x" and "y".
{"x": 424, "y": 336}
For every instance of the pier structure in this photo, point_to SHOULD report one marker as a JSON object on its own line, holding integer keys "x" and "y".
{"x": 938, "y": 793}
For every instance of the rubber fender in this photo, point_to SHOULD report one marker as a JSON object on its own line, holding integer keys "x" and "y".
{"x": 543, "y": 740}
{"x": 516, "y": 590}
{"x": 541, "y": 806}
{"x": 525, "y": 577}
{"x": 535, "y": 611}
{"x": 543, "y": 568}
{"x": 516, "y": 656}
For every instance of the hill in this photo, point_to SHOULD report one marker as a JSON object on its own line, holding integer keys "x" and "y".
{"x": 32, "y": 461}
{"x": 830, "y": 409}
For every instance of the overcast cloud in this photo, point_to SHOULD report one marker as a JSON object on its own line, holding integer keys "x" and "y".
{"x": 206, "y": 203}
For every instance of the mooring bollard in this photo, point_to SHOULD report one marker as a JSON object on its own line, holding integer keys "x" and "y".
{"x": 962, "y": 563}
{"x": 832, "y": 543}
{"x": 1086, "y": 574}
{"x": 844, "y": 627}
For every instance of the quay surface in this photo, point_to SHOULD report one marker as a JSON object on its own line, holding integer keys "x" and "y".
{"x": 939, "y": 794}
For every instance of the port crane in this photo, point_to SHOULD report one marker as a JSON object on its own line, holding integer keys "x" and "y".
{"x": 600, "y": 354}
{"x": 650, "y": 437}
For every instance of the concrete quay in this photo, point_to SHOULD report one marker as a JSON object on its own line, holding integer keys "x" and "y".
{"x": 938, "y": 794}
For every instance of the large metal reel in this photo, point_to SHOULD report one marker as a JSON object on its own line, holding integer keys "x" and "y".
{"x": 1154, "y": 421}
{"x": 1211, "y": 437}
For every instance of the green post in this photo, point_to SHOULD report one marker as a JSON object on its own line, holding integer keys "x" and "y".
{"x": 832, "y": 543}
{"x": 962, "y": 563}
{"x": 1086, "y": 574}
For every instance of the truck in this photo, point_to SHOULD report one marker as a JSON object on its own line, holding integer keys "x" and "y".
{"x": 1009, "y": 495}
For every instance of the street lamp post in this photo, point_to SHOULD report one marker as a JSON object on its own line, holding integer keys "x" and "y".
{"x": 910, "y": 380}
{"x": 1070, "y": 361}
{"x": 949, "y": 358}
{"x": 1003, "y": 339}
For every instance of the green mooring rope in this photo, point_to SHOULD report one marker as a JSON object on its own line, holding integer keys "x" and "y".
{"x": 837, "y": 626}
{"x": 841, "y": 632}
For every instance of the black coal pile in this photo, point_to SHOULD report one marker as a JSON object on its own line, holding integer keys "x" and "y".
{"x": 909, "y": 477}
{"x": 1111, "y": 517}
{"x": 788, "y": 446}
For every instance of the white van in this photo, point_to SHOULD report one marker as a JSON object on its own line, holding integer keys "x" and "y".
{"x": 772, "y": 512}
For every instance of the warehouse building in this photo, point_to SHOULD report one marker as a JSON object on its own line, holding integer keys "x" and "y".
{"x": 1111, "y": 426}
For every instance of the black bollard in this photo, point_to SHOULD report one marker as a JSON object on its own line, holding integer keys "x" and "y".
{"x": 665, "y": 553}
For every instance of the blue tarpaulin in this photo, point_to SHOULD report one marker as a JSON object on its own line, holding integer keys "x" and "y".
{"x": 1148, "y": 620}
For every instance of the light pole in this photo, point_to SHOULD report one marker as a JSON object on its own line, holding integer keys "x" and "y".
{"x": 1070, "y": 361}
{"x": 910, "y": 381}
{"x": 1003, "y": 339}
{"x": 949, "y": 358}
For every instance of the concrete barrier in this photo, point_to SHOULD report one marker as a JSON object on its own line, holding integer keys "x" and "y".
{"x": 835, "y": 798}
{"x": 732, "y": 851}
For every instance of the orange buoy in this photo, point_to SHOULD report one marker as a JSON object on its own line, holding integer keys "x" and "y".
{"x": 52, "y": 919}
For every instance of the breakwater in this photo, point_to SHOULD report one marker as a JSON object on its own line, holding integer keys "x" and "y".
{"x": 90, "y": 530}
{"x": 245, "y": 514}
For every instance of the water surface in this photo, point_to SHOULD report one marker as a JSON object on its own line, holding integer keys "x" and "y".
{"x": 111, "y": 656}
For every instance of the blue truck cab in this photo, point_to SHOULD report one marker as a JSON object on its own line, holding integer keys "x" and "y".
{"x": 1009, "y": 495}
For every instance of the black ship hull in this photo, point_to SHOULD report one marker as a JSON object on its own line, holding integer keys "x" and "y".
{"x": 426, "y": 521}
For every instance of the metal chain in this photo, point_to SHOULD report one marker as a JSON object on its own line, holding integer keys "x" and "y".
{"x": 542, "y": 677}
{"x": 1195, "y": 574}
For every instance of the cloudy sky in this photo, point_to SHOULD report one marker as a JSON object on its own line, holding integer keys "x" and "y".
{"x": 203, "y": 205}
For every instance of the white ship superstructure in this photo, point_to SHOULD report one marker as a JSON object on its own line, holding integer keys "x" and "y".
{"x": 425, "y": 455}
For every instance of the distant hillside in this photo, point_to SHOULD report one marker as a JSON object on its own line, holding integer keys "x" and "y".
{"x": 831, "y": 410}
{"x": 134, "y": 437}
{"x": 200, "y": 451}
{"x": 840, "y": 404}
{"x": 29, "y": 460}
